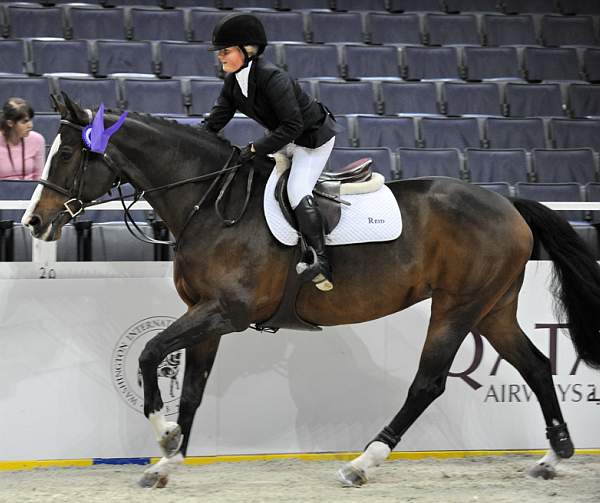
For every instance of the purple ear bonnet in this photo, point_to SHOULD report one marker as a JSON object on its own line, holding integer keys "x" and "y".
{"x": 95, "y": 137}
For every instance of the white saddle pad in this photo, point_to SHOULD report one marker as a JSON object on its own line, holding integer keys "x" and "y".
{"x": 371, "y": 217}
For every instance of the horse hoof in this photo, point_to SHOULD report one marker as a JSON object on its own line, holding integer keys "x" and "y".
{"x": 542, "y": 470}
{"x": 349, "y": 476}
{"x": 153, "y": 480}
{"x": 171, "y": 441}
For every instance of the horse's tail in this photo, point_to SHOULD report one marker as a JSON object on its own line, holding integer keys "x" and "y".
{"x": 576, "y": 279}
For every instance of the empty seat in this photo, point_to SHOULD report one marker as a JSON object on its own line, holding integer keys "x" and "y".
{"x": 311, "y": 60}
{"x": 502, "y": 188}
{"x": 11, "y": 57}
{"x": 592, "y": 194}
{"x": 486, "y": 166}
{"x": 552, "y": 192}
{"x": 584, "y": 100}
{"x": 491, "y": 63}
{"x": 579, "y": 7}
{"x": 409, "y": 98}
{"x": 241, "y": 130}
{"x": 47, "y": 125}
{"x": 35, "y": 90}
{"x": 415, "y": 5}
{"x": 564, "y": 165}
{"x": 347, "y": 97}
{"x": 568, "y": 30}
{"x": 385, "y": 131}
{"x": 203, "y": 94}
{"x": 181, "y": 58}
{"x": 335, "y": 27}
{"x": 114, "y": 56}
{"x": 240, "y": 4}
{"x": 527, "y": 133}
{"x": 393, "y": 28}
{"x": 90, "y": 92}
{"x": 283, "y": 26}
{"x": 471, "y": 5}
{"x": 372, "y": 5}
{"x": 575, "y": 133}
{"x": 534, "y": 100}
{"x": 499, "y": 29}
{"x": 31, "y": 20}
{"x": 543, "y": 63}
{"x": 446, "y": 29}
{"x": 382, "y": 159}
{"x": 64, "y": 56}
{"x": 112, "y": 241}
{"x": 153, "y": 96}
{"x": 304, "y": 4}
{"x": 367, "y": 61}
{"x": 92, "y": 22}
{"x": 345, "y": 137}
{"x": 157, "y": 24}
{"x": 15, "y": 190}
{"x": 202, "y": 23}
{"x": 430, "y": 63}
{"x": 457, "y": 133}
{"x": 591, "y": 64}
{"x": 537, "y": 6}
{"x": 474, "y": 98}
{"x": 415, "y": 162}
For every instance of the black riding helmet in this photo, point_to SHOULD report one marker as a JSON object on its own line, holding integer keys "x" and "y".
{"x": 239, "y": 29}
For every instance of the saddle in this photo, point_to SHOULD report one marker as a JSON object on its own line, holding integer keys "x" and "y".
{"x": 354, "y": 178}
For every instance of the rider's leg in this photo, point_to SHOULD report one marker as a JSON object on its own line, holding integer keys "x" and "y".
{"x": 307, "y": 166}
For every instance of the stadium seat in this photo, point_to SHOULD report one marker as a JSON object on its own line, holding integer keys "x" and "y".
{"x": 311, "y": 60}
{"x": 592, "y": 194}
{"x": 243, "y": 4}
{"x": 58, "y": 56}
{"x": 415, "y": 5}
{"x": 241, "y": 130}
{"x": 345, "y": 137}
{"x": 486, "y": 166}
{"x": 483, "y": 63}
{"x": 533, "y": 6}
{"x": 579, "y": 7}
{"x": 502, "y": 188}
{"x": 303, "y": 4}
{"x": 12, "y": 60}
{"x": 499, "y": 29}
{"x": 385, "y": 131}
{"x": 474, "y": 98}
{"x": 282, "y": 26}
{"x": 415, "y": 162}
{"x": 148, "y": 23}
{"x": 454, "y": 6}
{"x": 430, "y": 63}
{"x": 365, "y": 5}
{"x": 564, "y": 165}
{"x": 203, "y": 94}
{"x": 584, "y": 100}
{"x": 47, "y": 125}
{"x": 459, "y": 133}
{"x": 32, "y": 20}
{"x": 114, "y": 56}
{"x": 35, "y": 90}
{"x": 568, "y": 30}
{"x": 409, "y": 98}
{"x": 202, "y": 23}
{"x": 591, "y": 64}
{"x": 335, "y": 27}
{"x": 361, "y": 61}
{"x": 94, "y": 22}
{"x": 382, "y": 159}
{"x": 347, "y": 97}
{"x": 544, "y": 63}
{"x": 90, "y": 92}
{"x": 393, "y": 28}
{"x": 447, "y": 29}
{"x": 527, "y": 133}
{"x": 15, "y": 190}
{"x": 112, "y": 242}
{"x": 553, "y": 192}
{"x": 308, "y": 86}
{"x": 534, "y": 100}
{"x": 575, "y": 133}
{"x": 186, "y": 59}
{"x": 153, "y": 96}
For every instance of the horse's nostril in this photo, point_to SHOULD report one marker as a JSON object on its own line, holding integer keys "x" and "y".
{"x": 34, "y": 221}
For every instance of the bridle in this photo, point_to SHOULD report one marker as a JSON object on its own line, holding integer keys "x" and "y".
{"x": 74, "y": 205}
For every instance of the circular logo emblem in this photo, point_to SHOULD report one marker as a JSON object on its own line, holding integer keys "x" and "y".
{"x": 127, "y": 376}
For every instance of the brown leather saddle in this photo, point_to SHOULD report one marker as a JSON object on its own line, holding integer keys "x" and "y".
{"x": 326, "y": 192}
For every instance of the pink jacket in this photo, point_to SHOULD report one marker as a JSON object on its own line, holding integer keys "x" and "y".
{"x": 34, "y": 158}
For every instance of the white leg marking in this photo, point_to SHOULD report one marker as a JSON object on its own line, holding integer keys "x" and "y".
{"x": 550, "y": 459}
{"x": 374, "y": 455}
{"x": 160, "y": 425}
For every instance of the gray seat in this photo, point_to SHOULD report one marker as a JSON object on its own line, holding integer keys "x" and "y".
{"x": 12, "y": 58}
{"x": 533, "y": 6}
{"x": 564, "y": 165}
{"x": 362, "y": 61}
{"x": 47, "y": 125}
{"x": 347, "y": 97}
{"x": 579, "y": 7}
{"x": 534, "y": 100}
{"x": 58, "y": 56}
{"x": 186, "y": 59}
{"x": 545, "y": 63}
{"x": 446, "y": 29}
{"x": 385, "y": 131}
{"x": 15, "y": 190}
{"x": 568, "y": 30}
{"x": 35, "y": 90}
{"x": 550, "y": 192}
{"x": 115, "y": 56}
{"x": 499, "y": 29}
{"x": 203, "y": 94}
{"x": 90, "y": 92}
{"x": 241, "y": 130}
{"x": 415, "y": 5}
{"x": 147, "y": 23}
{"x": 153, "y": 96}
{"x": 459, "y": 133}
{"x": 364, "y": 5}
{"x": 455, "y": 6}
{"x": 491, "y": 63}
{"x": 95, "y": 22}
{"x": 430, "y": 63}
{"x": 575, "y": 133}
{"x": 311, "y": 60}
{"x": 592, "y": 194}
{"x": 474, "y": 98}
{"x": 486, "y": 166}
{"x": 393, "y": 28}
{"x": 527, "y": 133}
{"x": 202, "y": 23}
{"x": 584, "y": 100}
{"x": 409, "y": 98}
{"x": 282, "y": 26}
{"x": 591, "y": 64}
{"x": 27, "y": 20}
{"x": 335, "y": 27}
{"x": 417, "y": 162}
{"x": 112, "y": 241}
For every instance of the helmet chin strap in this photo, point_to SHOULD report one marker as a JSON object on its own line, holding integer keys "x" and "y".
{"x": 247, "y": 59}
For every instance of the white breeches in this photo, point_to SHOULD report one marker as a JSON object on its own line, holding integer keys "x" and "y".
{"x": 307, "y": 166}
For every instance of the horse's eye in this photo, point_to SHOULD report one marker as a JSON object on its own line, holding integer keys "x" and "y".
{"x": 65, "y": 155}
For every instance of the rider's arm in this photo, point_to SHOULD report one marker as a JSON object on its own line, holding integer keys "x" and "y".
{"x": 222, "y": 111}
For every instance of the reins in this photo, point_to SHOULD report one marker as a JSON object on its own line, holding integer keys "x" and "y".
{"x": 74, "y": 194}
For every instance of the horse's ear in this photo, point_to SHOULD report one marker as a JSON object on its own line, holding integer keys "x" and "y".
{"x": 75, "y": 112}
{"x": 59, "y": 105}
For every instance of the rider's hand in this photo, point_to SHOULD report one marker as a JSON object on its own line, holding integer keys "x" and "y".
{"x": 247, "y": 153}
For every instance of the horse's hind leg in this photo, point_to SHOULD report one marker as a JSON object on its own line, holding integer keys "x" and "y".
{"x": 450, "y": 323}
{"x": 501, "y": 328}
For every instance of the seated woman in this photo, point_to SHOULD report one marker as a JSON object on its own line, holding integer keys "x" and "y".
{"x": 21, "y": 149}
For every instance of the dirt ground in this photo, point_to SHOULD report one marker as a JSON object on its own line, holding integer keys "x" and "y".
{"x": 485, "y": 479}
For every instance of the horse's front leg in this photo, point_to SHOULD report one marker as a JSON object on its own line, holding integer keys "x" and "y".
{"x": 200, "y": 327}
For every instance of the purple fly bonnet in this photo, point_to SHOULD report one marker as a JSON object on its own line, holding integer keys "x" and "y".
{"x": 95, "y": 137}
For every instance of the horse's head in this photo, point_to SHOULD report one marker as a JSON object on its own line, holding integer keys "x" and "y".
{"x": 73, "y": 175}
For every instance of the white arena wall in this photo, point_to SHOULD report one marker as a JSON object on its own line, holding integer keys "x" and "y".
{"x": 69, "y": 343}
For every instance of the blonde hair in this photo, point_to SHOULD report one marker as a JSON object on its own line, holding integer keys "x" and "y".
{"x": 251, "y": 50}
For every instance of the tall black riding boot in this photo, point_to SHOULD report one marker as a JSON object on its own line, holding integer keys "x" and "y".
{"x": 310, "y": 222}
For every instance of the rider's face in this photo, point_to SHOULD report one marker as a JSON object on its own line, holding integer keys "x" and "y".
{"x": 231, "y": 58}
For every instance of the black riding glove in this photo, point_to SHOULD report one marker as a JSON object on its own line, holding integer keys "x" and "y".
{"x": 247, "y": 154}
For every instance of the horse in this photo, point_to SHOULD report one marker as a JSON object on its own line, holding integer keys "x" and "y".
{"x": 462, "y": 246}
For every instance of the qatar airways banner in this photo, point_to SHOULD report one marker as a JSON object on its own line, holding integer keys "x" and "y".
{"x": 71, "y": 334}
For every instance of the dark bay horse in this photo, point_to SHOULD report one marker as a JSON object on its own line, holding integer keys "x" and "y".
{"x": 461, "y": 246}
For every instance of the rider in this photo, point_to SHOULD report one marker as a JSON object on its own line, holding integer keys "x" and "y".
{"x": 271, "y": 97}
